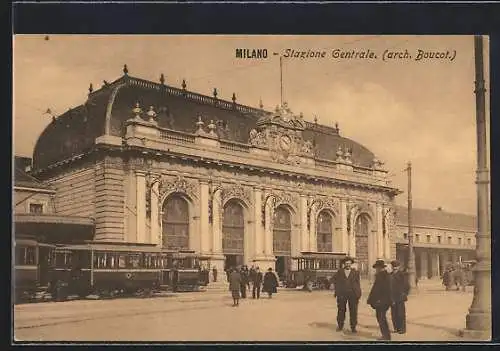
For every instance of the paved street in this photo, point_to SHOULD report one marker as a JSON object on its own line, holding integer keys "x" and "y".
{"x": 433, "y": 315}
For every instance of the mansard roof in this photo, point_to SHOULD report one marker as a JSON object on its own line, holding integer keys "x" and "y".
{"x": 74, "y": 132}
{"x": 436, "y": 219}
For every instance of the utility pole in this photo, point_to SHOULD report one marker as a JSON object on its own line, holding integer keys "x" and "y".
{"x": 411, "y": 253}
{"x": 478, "y": 320}
{"x": 281, "y": 80}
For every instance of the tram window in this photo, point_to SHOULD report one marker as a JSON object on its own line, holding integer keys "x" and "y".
{"x": 122, "y": 261}
{"x": 25, "y": 256}
{"x": 101, "y": 260}
{"x": 134, "y": 261}
{"x": 110, "y": 261}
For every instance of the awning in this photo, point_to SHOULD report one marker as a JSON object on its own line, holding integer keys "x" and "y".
{"x": 52, "y": 219}
{"x": 53, "y": 228}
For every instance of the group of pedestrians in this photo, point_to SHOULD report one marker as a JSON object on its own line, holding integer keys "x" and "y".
{"x": 240, "y": 278}
{"x": 389, "y": 291}
{"x": 455, "y": 278}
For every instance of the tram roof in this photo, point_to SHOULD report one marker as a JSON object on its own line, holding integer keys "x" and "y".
{"x": 116, "y": 247}
{"x": 321, "y": 255}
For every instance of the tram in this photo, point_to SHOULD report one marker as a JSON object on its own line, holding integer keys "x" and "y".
{"x": 315, "y": 270}
{"x": 31, "y": 265}
{"x": 105, "y": 270}
{"x": 186, "y": 271}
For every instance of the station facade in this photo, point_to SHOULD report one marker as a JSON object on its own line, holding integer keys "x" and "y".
{"x": 153, "y": 164}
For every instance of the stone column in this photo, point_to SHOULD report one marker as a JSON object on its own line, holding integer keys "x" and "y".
{"x": 304, "y": 233}
{"x": 352, "y": 239}
{"x": 435, "y": 265}
{"x": 380, "y": 232}
{"x": 259, "y": 234}
{"x": 268, "y": 229}
{"x": 343, "y": 219}
{"x": 313, "y": 244}
{"x": 387, "y": 238}
{"x": 217, "y": 258}
{"x": 141, "y": 206}
{"x": 204, "y": 223}
{"x": 423, "y": 265}
{"x": 155, "y": 212}
{"x": 438, "y": 264}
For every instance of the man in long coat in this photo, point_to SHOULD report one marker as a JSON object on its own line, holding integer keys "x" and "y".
{"x": 235, "y": 286}
{"x": 347, "y": 291}
{"x": 380, "y": 297}
{"x": 270, "y": 283}
{"x": 400, "y": 290}
{"x": 244, "y": 282}
{"x": 256, "y": 282}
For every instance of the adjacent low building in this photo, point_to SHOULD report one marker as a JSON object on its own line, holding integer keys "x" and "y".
{"x": 35, "y": 214}
{"x": 440, "y": 238}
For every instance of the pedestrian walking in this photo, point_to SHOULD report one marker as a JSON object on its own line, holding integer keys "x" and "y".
{"x": 270, "y": 285}
{"x": 244, "y": 282}
{"x": 380, "y": 297}
{"x": 214, "y": 273}
{"x": 235, "y": 286}
{"x": 347, "y": 287}
{"x": 256, "y": 283}
{"x": 400, "y": 290}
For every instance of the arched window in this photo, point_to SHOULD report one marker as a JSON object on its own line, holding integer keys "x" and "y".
{"x": 362, "y": 225}
{"x": 233, "y": 228}
{"x": 176, "y": 223}
{"x": 282, "y": 232}
{"x": 324, "y": 232}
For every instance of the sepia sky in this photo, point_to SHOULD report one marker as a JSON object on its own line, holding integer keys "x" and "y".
{"x": 402, "y": 110}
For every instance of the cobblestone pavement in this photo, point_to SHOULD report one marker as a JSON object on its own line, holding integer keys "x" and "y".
{"x": 433, "y": 315}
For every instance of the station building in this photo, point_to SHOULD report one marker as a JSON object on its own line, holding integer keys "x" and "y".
{"x": 440, "y": 238}
{"x": 150, "y": 163}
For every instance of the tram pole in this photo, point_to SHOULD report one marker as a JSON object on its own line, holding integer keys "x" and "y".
{"x": 478, "y": 320}
{"x": 411, "y": 253}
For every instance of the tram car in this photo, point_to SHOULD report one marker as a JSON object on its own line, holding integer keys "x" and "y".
{"x": 186, "y": 271}
{"x": 31, "y": 261}
{"x": 105, "y": 270}
{"x": 314, "y": 270}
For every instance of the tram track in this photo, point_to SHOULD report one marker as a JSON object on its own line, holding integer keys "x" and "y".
{"x": 62, "y": 320}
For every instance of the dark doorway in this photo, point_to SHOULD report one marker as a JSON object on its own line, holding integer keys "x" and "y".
{"x": 43, "y": 261}
{"x": 233, "y": 261}
{"x": 282, "y": 266}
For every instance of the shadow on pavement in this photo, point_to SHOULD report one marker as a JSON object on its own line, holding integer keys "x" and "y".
{"x": 346, "y": 333}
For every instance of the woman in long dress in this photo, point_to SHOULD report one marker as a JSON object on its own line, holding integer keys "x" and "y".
{"x": 235, "y": 286}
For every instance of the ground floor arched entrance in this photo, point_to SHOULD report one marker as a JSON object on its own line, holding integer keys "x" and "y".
{"x": 361, "y": 230}
{"x": 233, "y": 234}
{"x": 282, "y": 241}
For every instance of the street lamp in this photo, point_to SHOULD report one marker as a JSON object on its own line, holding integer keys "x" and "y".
{"x": 478, "y": 320}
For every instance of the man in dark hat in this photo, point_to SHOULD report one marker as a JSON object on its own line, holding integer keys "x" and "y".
{"x": 380, "y": 297}
{"x": 347, "y": 291}
{"x": 400, "y": 290}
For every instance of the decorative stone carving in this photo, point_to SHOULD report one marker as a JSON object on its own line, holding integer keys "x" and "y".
{"x": 282, "y": 198}
{"x": 329, "y": 203}
{"x": 178, "y": 184}
{"x": 258, "y": 138}
{"x": 236, "y": 191}
{"x": 307, "y": 148}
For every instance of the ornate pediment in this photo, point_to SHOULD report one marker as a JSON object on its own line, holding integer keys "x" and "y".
{"x": 281, "y": 133}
